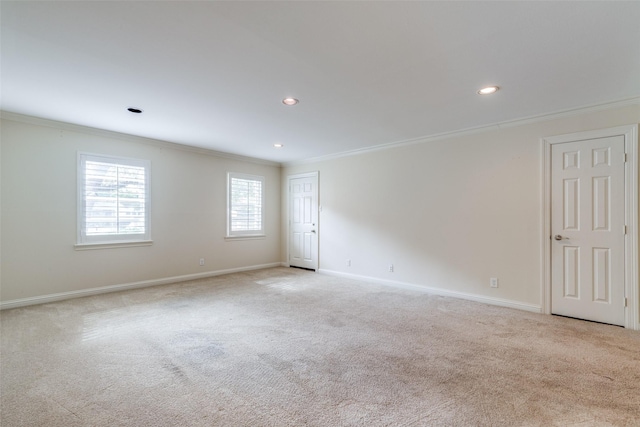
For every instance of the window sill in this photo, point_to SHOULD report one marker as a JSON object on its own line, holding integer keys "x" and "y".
{"x": 111, "y": 245}
{"x": 246, "y": 237}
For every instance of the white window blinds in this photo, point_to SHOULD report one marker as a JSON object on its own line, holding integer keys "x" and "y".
{"x": 246, "y": 204}
{"x": 113, "y": 199}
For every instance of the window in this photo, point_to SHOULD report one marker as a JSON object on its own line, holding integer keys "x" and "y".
{"x": 113, "y": 199}
{"x": 245, "y": 213}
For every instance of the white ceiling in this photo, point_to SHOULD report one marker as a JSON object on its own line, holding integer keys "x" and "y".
{"x": 213, "y": 74}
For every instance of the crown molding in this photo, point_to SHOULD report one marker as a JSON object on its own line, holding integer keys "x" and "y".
{"x": 420, "y": 140}
{"x": 22, "y": 118}
{"x": 475, "y": 130}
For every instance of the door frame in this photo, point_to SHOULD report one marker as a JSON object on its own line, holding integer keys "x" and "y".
{"x": 631, "y": 284}
{"x": 289, "y": 178}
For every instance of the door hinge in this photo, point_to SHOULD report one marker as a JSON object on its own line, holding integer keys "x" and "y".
{"x": 625, "y": 158}
{"x": 624, "y": 229}
{"x": 625, "y": 301}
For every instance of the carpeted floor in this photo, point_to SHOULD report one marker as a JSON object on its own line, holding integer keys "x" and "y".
{"x": 286, "y": 347}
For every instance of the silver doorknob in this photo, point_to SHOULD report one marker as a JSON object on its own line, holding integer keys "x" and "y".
{"x": 558, "y": 237}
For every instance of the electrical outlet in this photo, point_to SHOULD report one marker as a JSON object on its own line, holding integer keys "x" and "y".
{"x": 348, "y": 263}
{"x": 493, "y": 282}
{"x": 390, "y": 268}
{"x": 201, "y": 261}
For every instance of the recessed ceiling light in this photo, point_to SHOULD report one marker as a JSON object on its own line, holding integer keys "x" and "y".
{"x": 488, "y": 90}
{"x": 134, "y": 110}
{"x": 290, "y": 101}
{"x": 278, "y": 145}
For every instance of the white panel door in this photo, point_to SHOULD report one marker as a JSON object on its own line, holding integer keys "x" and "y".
{"x": 587, "y": 225}
{"x": 303, "y": 222}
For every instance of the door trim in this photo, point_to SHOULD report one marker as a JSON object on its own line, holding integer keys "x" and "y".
{"x": 632, "y": 285}
{"x": 289, "y": 178}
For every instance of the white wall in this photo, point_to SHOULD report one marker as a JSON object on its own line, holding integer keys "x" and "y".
{"x": 448, "y": 213}
{"x": 188, "y": 216}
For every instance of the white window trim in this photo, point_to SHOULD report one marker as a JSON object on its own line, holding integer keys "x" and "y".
{"x": 251, "y": 234}
{"x": 83, "y": 241}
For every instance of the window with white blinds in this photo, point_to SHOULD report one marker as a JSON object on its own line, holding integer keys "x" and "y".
{"x": 113, "y": 199}
{"x": 245, "y": 213}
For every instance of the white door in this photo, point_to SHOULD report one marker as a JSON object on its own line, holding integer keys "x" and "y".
{"x": 587, "y": 226}
{"x": 303, "y": 221}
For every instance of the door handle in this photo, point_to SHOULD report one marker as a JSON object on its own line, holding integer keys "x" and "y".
{"x": 559, "y": 237}
{"x": 313, "y": 231}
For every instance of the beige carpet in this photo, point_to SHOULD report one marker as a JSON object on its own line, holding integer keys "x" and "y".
{"x": 286, "y": 347}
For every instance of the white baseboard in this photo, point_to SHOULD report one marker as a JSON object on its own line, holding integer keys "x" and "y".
{"x": 23, "y": 302}
{"x": 438, "y": 291}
